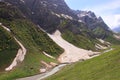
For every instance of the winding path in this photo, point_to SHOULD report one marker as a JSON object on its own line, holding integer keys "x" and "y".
{"x": 44, "y": 75}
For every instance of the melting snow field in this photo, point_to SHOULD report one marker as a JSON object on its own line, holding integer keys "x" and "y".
{"x": 71, "y": 52}
{"x": 20, "y": 55}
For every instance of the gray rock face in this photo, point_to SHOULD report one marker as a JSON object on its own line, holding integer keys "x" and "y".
{"x": 41, "y": 11}
{"x": 90, "y": 19}
{"x": 52, "y": 14}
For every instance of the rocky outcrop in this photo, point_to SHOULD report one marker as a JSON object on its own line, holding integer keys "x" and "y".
{"x": 94, "y": 23}
{"x": 55, "y": 14}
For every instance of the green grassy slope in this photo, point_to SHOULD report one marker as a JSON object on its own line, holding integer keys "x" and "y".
{"x": 79, "y": 40}
{"x": 8, "y": 49}
{"x": 78, "y": 34}
{"x": 28, "y": 33}
{"x": 104, "y": 67}
{"x": 35, "y": 41}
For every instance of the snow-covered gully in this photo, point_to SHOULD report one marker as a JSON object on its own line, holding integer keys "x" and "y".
{"x": 71, "y": 52}
{"x": 20, "y": 54}
{"x": 19, "y": 57}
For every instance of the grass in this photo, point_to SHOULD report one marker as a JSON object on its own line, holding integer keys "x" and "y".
{"x": 103, "y": 67}
{"x": 8, "y": 49}
{"x": 79, "y": 40}
{"x": 113, "y": 40}
{"x": 35, "y": 41}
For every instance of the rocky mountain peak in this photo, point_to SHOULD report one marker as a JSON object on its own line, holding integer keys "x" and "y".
{"x": 90, "y": 19}
{"x": 51, "y": 14}
{"x": 100, "y": 19}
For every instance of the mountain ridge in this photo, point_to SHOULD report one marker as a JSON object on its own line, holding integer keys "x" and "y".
{"x": 31, "y": 20}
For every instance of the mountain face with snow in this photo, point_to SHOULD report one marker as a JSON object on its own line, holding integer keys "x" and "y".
{"x": 93, "y": 22}
{"x": 43, "y": 26}
{"x": 56, "y": 15}
{"x": 45, "y": 13}
{"x": 50, "y": 14}
{"x": 90, "y": 19}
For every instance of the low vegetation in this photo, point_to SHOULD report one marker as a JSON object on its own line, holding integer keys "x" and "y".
{"x": 8, "y": 49}
{"x": 79, "y": 40}
{"x": 35, "y": 41}
{"x": 103, "y": 67}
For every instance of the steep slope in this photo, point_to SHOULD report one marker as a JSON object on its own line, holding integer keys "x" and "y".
{"x": 96, "y": 25}
{"x": 56, "y": 15}
{"x": 8, "y": 48}
{"x": 71, "y": 53}
{"x": 43, "y": 12}
{"x": 27, "y": 18}
{"x": 32, "y": 38}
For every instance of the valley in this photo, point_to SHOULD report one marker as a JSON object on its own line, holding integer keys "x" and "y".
{"x": 43, "y": 39}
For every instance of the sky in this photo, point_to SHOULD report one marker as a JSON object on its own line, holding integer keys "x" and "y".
{"x": 109, "y": 10}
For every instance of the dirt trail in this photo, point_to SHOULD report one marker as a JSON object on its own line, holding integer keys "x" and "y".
{"x": 44, "y": 75}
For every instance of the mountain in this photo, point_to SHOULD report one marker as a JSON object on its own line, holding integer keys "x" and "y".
{"x": 94, "y": 23}
{"x": 13, "y": 25}
{"x": 54, "y": 12}
{"x": 27, "y": 24}
{"x": 43, "y": 12}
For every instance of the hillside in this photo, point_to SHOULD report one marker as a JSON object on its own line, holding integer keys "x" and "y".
{"x": 104, "y": 67}
{"x": 56, "y": 15}
{"x": 8, "y": 48}
{"x": 34, "y": 40}
{"x": 31, "y": 25}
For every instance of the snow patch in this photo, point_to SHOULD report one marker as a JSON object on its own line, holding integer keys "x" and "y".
{"x": 80, "y": 21}
{"x": 56, "y": 14}
{"x": 62, "y": 15}
{"x": 55, "y": 5}
{"x": 33, "y": 13}
{"x": 19, "y": 57}
{"x": 98, "y": 46}
{"x": 102, "y": 41}
{"x": 5, "y": 27}
{"x": 48, "y": 55}
{"x": 20, "y": 54}
{"x": 22, "y": 1}
{"x": 67, "y": 16}
{"x": 117, "y": 36}
{"x": 71, "y": 53}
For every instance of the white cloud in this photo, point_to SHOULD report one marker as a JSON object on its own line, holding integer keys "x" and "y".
{"x": 114, "y": 4}
{"x": 112, "y": 20}
{"x": 107, "y": 10}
